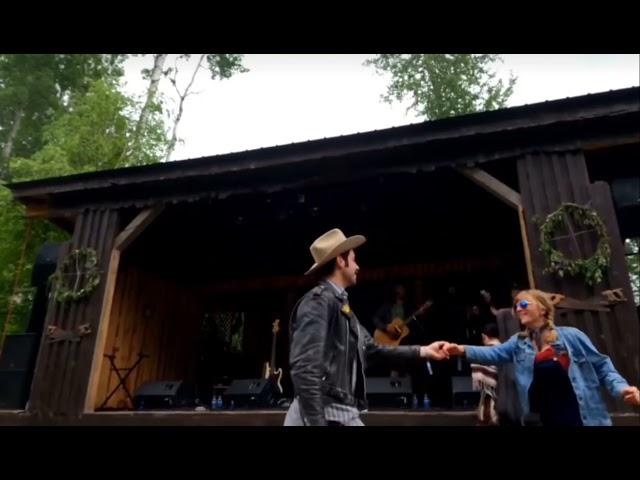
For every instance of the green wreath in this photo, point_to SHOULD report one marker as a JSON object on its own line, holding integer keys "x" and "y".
{"x": 80, "y": 262}
{"x": 591, "y": 268}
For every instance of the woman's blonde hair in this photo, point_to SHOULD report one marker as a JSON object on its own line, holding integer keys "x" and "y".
{"x": 545, "y": 300}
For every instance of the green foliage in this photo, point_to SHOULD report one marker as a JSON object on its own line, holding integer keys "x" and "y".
{"x": 444, "y": 85}
{"x": 94, "y": 135}
{"x": 13, "y": 232}
{"x": 35, "y": 88}
{"x": 591, "y": 268}
{"x": 633, "y": 263}
{"x": 222, "y": 66}
{"x": 80, "y": 264}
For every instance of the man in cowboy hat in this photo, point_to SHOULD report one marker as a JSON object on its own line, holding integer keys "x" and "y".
{"x": 329, "y": 348}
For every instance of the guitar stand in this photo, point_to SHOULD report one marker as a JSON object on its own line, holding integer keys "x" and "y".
{"x": 122, "y": 380}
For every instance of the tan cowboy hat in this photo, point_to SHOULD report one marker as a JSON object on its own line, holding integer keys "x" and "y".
{"x": 328, "y": 246}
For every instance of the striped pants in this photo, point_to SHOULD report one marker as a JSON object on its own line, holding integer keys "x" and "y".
{"x": 294, "y": 418}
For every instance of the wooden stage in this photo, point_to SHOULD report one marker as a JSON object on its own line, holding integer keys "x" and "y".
{"x": 254, "y": 418}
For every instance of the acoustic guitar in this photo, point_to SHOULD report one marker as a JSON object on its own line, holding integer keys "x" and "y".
{"x": 398, "y": 329}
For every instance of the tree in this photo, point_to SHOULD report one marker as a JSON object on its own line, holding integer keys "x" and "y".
{"x": 95, "y": 135}
{"x": 633, "y": 263}
{"x": 444, "y": 85}
{"x": 220, "y": 66}
{"x": 35, "y": 88}
{"x": 16, "y": 234}
{"x": 150, "y": 105}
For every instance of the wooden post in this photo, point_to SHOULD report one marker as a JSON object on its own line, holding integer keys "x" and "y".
{"x": 122, "y": 241}
{"x": 526, "y": 247}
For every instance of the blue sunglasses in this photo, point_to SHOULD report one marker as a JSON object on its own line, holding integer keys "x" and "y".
{"x": 523, "y": 304}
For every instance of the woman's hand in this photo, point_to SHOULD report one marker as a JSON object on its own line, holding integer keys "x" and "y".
{"x": 631, "y": 395}
{"x": 454, "y": 349}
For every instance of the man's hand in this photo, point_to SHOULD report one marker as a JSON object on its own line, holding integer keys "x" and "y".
{"x": 435, "y": 351}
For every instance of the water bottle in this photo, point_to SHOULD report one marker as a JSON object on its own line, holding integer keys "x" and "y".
{"x": 427, "y": 402}
{"x": 214, "y": 402}
{"x": 414, "y": 402}
{"x": 219, "y": 404}
{"x": 429, "y": 369}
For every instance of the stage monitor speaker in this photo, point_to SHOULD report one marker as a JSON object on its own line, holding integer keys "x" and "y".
{"x": 464, "y": 396}
{"x": 389, "y": 392}
{"x": 251, "y": 393}
{"x": 19, "y": 352}
{"x": 164, "y": 395}
{"x": 43, "y": 267}
{"x": 14, "y": 388}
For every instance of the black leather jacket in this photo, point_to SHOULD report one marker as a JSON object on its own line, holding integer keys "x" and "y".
{"x": 326, "y": 336}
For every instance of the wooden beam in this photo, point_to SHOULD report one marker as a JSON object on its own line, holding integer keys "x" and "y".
{"x": 493, "y": 186}
{"x": 511, "y": 198}
{"x": 103, "y": 328}
{"x": 419, "y": 270}
{"x": 37, "y": 211}
{"x": 526, "y": 247}
{"x": 136, "y": 227}
{"x": 600, "y": 143}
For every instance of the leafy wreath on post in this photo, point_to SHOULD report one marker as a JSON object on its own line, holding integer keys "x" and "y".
{"x": 80, "y": 262}
{"x": 591, "y": 268}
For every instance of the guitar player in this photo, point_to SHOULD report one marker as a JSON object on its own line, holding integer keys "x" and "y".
{"x": 397, "y": 308}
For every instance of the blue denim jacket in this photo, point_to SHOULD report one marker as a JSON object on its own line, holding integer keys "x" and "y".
{"x": 587, "y": 371}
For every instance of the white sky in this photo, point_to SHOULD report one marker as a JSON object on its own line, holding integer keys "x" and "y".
{"x": 288, "y": 98}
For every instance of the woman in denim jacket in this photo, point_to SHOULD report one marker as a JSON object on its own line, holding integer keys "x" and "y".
{"x": 558, "y": 370}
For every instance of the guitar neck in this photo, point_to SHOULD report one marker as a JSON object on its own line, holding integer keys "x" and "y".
{"x": 414, "y": 315}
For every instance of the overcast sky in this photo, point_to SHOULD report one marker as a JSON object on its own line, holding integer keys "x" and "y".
{"x": 291, "y": 98}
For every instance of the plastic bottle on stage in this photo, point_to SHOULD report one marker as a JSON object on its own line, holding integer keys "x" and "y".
{"x": 427, "y": 402}
{"x": 414, "y": 402}
{"x": 214, "y": 402}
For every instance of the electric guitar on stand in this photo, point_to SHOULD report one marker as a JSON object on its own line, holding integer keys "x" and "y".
{"x": 270, "y": 370}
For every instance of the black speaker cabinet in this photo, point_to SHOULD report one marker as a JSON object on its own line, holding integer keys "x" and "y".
{"x": 17, "y": 363}
{"x": 389, "y": 392}
{"x": 14, "y": 389}
{"x": 19, "y": 352}
{"x": 463, "y": 394}
{"x": 164, "y": 395}
{"x": 43, "y": 267}
{"x": 251, "y": 393}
